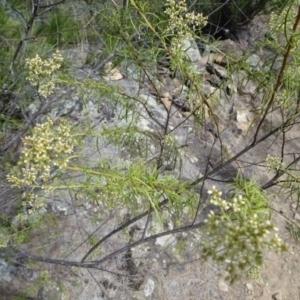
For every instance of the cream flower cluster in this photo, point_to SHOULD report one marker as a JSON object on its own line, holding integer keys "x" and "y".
{"x": 282, "y": 24}
{"x": 168, "y": 141}
{"x": 4, "y": 239}
{"x": 238, "y": 236}
{"x": 182, "y": 23}
{"x": 273, "y": 163}
{"x": 275, "y": 23}
{"x": 41, "y": 71}
{"x": 48, "y": 146}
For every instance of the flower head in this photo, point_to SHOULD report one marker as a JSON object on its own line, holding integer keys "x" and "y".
{"x": 41, "y": 71}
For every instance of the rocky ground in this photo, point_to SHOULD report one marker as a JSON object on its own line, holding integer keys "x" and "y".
{"x": 169, "y": 267}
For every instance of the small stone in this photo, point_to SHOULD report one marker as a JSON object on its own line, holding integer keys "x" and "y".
{"x": 149, "y": 287}
{"x": 164, "y": 240}
{"x": 231, "y": 49}
{"x": 221, "y": 71}
{"x": 223, "y": 286}
{"x": 294, "y": 206}
{"x": 166, "y": 102}
{"x": 249, "y": 286}
{"x": 191, "y": 50}
{"x": 177, "y": 83}
{"x": 112, "y": 74}
{"x": 213, "y": 79}
{"x": 254, "y": 61}
{"x": 297, "y": 217}
{"x": 166, "y": 95}
{"x": 276, "y": 296}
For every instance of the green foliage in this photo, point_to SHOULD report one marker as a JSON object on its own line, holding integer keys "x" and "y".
{"x": 256, "y": 199}
{"x": 294, "y": 229}
{"x": 133, "y": 185}
{"x": 10, "y": 32}
{"x": 61, "y": 27}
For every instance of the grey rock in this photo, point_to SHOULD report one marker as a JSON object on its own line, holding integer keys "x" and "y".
{"x": 77, "y": 56}
{"x": 243, "y": 84}
{"x": 277, "y": 296}
{"x": 249, "y": 286}
{"x": 297, "y": 217}
{"x": 294, "y": 206}
{"x": 223, "y": 286}
{"x": 191, "y": 50}
{"x": 149, "y": 287}
{"x": 254, "y": 61}
{"x": 213, "y": 79}
{"x": 132, "y": 72}
{"x": 5, "y": 271}
{"x": 230, "y": 48}
{"x": 80, "y": 74}
{"x": 221, "y": 72}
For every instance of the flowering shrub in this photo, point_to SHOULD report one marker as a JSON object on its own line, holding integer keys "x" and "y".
{"x": 238, "y": 238}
